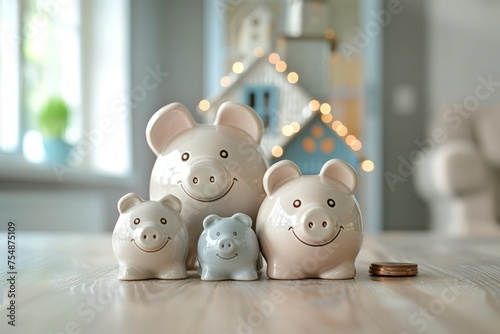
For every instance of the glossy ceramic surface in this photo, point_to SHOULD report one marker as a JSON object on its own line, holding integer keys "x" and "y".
{"x": 228, "y": 248}
{"x": 310, "y": 226}
{"x": 213, "y": 169}
{"x": 150, "y": 239}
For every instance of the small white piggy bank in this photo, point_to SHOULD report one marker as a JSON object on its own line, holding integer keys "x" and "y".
{"x": 228, "y": 249}
{"x": 212, "y": 168}
{"x": 310, "y": 226}
{"x": 150, "y": 239}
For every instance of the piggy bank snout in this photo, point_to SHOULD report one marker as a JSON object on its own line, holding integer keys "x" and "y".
{"x": 150, "y": 238}
{"x": 317, "y": 225}
{"x": 207, "y": 179}
{"x": 227, "y": 247}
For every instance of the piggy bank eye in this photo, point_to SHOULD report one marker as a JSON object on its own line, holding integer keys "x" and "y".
{"x": 185, "y": 156}
{"x": 217, "y": 234}
{"x": 297, "y": 203}
{"x": 235, "y": 234}
{"x": 163, "y": 221}
{"x": 137, "y": 221}
{"x": 224, "y": 154}
{"x": 330, "y": 202}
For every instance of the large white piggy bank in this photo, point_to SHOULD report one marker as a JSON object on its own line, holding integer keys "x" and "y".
{"x": 212, "y": 168}
{"x": 149, "y": 239}
{"x": 310, "y": 226}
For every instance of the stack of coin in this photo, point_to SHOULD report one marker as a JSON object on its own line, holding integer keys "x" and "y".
{"x": 393, "y": 269}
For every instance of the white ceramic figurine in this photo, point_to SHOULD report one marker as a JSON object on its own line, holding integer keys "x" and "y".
{"x": 310, "y": 226}
{"x": 150, "y": 239}
{"x": 212, "y": 168}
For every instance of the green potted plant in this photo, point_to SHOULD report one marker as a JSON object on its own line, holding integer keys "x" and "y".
{"x": 53, "y": 120}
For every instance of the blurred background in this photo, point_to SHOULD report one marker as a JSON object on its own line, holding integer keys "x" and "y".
{"x": 396, "y": 88}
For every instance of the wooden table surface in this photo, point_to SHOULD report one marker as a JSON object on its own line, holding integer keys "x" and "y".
{"x": 67, "y": 283}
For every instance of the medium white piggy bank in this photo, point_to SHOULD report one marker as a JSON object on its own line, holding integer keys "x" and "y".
{"x": 310, "y": 226}
{"x": 212, "y": 168}
{"x": 150, "y": 239}
{"x": 228, "y": 249}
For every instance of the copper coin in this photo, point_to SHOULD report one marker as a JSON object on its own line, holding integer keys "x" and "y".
{"x": 393, "y": 269}
{"x": 394, "y": 265}
{"x": 393, "y": 273}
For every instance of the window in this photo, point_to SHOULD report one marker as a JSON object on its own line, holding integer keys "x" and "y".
{"x": 63, "y": 73}
{"x": 264, "y": 100}
{"x": 9, "y": 78}
{"x": 50, "y": 57}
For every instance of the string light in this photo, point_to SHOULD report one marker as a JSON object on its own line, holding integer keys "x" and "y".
{"x": 314, "y": 105}
{"x": 367, "y": 165}
{"x": 204, "y": 105}
{"x": 281, "y": 66}
{"x": 292, "y": 77}
{"x": 259, "y": 52}
{"x": 326, "y": 118}
{"x": 356, "y": 145}
{"x": 295, "y": 127}
{"x": 274, "y": 58}
{"x": 225, "y": 81}
{"x": 341, "y": 130}
{"x": 349, "y": 139}
{"x": 336, "y": 124}
{"x": 277, "y": 151}
{"x": 287, "y": 130}
{"x": 325, "y": 108}
{"x": 238, "y": 67}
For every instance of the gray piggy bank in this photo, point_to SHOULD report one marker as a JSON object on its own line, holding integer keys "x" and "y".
{"x": 228, "y": 249}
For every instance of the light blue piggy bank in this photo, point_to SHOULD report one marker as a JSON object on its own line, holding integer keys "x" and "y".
{"x": 228, "y": 249}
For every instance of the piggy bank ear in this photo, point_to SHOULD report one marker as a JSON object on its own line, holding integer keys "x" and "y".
{"x": 242, "y": 117}
{"x": 209, "y": 220}
{"x": 278, "y": 174}
{"x": 342, "y": 172}
{"x": 167, "y": 123}
{"x": 128, "y": 201}
{"x": 171, "y": 202}
{"x": 241, "y": 217}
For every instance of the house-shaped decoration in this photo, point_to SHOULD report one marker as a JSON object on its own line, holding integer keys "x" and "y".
{"x": 315, "y": 144}
{"x": 255, "y": 30}
{"x": 287, "y": 94}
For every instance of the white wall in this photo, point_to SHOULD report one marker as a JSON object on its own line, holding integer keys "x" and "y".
{"x": 404, "y": 68}
{"x": 463, "y": 43}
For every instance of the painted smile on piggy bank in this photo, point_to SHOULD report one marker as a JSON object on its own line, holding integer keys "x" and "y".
{"x": 151, "y": 251}
{"x": 228, "y": 258}
{"x": 316, "y": 245}
{"x": 209, "y": 199}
